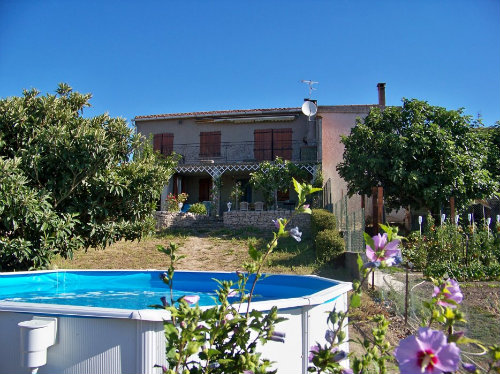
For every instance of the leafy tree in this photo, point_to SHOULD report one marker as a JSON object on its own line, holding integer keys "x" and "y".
{"x": 421, "y": 154}
{"x": 493, "y": 135}
{"x": 80, "y": 181}
{"x": 274, "y": 176}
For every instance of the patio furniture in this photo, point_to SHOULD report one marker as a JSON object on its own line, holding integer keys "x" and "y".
{"x": 259, "y": 206}
{"x": 244, "y": 206}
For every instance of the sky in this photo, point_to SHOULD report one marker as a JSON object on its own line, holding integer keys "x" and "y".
{"x": 152, "y": 57}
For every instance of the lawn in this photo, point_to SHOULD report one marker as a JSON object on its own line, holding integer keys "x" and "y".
{"x": 210, "y": 250}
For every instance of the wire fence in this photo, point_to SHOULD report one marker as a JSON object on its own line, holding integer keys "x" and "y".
{"x": 351, "y": 222}
{"x": 404, "y": 294}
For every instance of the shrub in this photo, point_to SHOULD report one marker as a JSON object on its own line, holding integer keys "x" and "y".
{"x": 322, "y": 219}
{"x": 463, "y": 253}
{"x": 198, "y": 208}
{"x": 329, "y": 245}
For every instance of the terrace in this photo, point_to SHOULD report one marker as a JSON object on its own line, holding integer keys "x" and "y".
{"x": 241, "y": 152}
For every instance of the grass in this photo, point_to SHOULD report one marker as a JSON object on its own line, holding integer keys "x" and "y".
{"x": 289, "y": 256}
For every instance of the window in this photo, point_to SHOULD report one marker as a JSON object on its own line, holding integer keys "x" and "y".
{"x": 210, "y": 144}
{"x": 164, "y": 143}
{"x": 272, "y": 143}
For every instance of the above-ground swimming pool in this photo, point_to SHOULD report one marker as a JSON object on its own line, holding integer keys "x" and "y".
{"x": 104, "y": 324}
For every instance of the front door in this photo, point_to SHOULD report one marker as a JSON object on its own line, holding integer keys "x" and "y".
{"x": 204, "y": 191}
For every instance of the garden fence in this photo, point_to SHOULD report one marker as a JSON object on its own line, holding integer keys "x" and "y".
{"x": 404, "y": 296}
{"x": 351, "y": 222}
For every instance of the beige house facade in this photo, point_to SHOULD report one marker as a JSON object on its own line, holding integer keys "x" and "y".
{"x": 229, "y": 145}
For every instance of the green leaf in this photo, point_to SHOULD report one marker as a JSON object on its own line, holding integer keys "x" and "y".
{"x": 297, "y": 187}
{"x": 355, "y": 300}
{"x": 359, "y": 261}
{"x": 254, "y": 253}
{"x": 369, "y": 240}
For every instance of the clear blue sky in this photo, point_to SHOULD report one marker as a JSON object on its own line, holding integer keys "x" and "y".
{"x": 151, "y": 57}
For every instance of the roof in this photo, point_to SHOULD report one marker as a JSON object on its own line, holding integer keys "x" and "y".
{"x": 218, "y": 113}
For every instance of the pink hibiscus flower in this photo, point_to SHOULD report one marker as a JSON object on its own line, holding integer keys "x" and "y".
{"x": 449, "y": 290}
{"x": 384, "y": 252}
{"x": 428, "y": 353}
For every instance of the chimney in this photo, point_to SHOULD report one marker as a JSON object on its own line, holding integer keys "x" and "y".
{"x": 381, "y": 94}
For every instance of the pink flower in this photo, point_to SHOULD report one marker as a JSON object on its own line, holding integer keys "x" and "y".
{"x": 428, "y": 352}
{"x": 448, "y": 291}
{"x": 277, "y": 223}
{"x": 313, "y": 351}
{"x": 232, "y": 293}
{"x": 191, "y": 299}
{"x": 384, "y": 252}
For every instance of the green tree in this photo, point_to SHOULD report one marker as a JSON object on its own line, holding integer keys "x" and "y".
{"x": 96, "y": 180}
{"x": 421, "y": 154}
{"x": 274, "y": 176}
{"x": 493, "y": 135}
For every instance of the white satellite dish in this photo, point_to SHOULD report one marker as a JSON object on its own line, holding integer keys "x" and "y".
{"x": 309, "y": 108}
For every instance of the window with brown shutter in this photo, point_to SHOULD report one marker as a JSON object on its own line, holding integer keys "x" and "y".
{"x": 210, "y": 144}
{"x": 272, "y": 143}
{"x": 263, "y": 145}
{"x": 282, "y": 144}
{"x": 164, "y": 143}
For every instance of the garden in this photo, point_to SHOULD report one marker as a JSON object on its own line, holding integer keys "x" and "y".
{"x": 71, "y": 185}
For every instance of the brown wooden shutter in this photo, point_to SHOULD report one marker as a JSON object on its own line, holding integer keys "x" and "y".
{"x": 282, "y": 143}
{"x": 164, "y": 143}
{"x": 210, "y": 144}
{"x": 157, "y": 142}
{"x": 263, "y": 145}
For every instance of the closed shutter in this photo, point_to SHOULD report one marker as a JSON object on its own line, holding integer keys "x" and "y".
{"x": 282, "y": 143}
{"x": 263, "y": 145}
{"x": 164, "y": 143}
{"x": 210, "y": 144}
{"x": 272, "y": 143}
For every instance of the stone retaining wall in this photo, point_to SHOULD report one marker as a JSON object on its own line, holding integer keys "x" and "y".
{"x": 264, "y": 219}
{"x": 179, "y": 220}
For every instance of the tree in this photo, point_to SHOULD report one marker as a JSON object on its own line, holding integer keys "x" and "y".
{"x": 90, "y": 178}
{"x": 493, "y": 136}
{"x": 421, "y": 154}
{"x": 274, "y": 176}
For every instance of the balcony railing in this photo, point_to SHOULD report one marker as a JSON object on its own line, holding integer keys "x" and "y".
{"x": 245, "y": 152}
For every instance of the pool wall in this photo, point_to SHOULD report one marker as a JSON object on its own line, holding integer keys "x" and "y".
{"x": 109, "y": 341}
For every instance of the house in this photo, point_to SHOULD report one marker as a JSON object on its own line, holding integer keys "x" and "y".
{"x": 228, "y": 145}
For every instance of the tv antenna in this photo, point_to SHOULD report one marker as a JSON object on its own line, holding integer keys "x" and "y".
{"x": 311, "y": 85}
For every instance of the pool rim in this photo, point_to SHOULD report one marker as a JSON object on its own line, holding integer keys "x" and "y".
{"x": 321, "y": 297}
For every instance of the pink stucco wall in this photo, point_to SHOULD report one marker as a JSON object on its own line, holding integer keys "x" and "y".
{"x": 335, "y": 121}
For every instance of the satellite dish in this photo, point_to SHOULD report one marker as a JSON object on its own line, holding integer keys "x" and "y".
{"x": 309, "y": 108}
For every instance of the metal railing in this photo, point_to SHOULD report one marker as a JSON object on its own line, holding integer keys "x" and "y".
{"x": 245, "y": 152}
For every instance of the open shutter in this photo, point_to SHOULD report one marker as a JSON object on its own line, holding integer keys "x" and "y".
{"x": 210, "y": 144}
{"x": 263, "y": 145}
{"x": 282, "y": 143}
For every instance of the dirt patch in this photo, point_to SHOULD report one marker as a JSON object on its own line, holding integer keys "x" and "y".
{"x": 212, "y": 255}
{"x": 202, "y": 253}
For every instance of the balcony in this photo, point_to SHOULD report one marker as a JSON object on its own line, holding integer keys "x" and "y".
{"x": 244, "y": 152}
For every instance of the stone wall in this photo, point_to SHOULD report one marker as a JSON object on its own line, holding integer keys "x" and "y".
{"x": 174, "y": 220}
{"x": 264, "y": 219}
